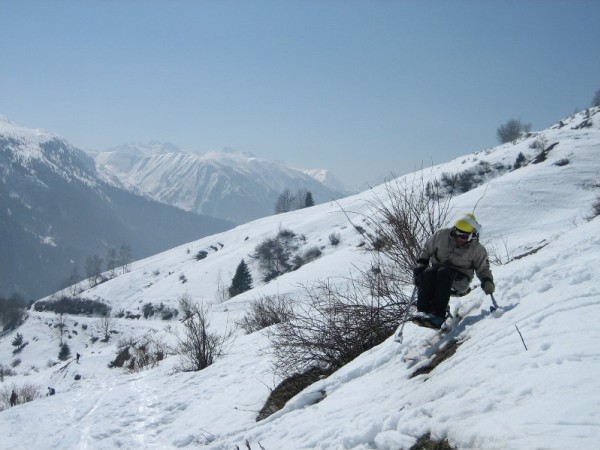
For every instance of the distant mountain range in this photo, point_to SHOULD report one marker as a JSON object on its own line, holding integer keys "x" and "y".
{"x": 228, "y": 184}
{"x": 56, "y": 211}
{"x": 60, "y": 205}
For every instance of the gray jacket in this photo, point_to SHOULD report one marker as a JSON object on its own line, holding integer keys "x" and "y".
{"x": 471, "y": 258}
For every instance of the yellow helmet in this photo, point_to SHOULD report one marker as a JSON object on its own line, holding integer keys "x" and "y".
{"x": 468, "y": 224}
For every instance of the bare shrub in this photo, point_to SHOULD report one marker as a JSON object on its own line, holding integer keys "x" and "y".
{"x": 266, "y": 311}
{"x": 338, "y": 322}
{"x": 274, "y": 254}
{"x": 29, "y": 392}
{"x": 25, "y": 393}
{"x": 400, "y": 222}
{"x": 6, "y": 372}
{"x": 165, "y": 312}
{"x": 198, "y": 347}
{"x": 138, "y": 353}
{"x": 331, "y": 328}
{"x": 499, "y": 256}
{"x": 595, "y": 210}
{"x": 73, "y": 305}
{"x": 521, "y": 161}
{"x": 306, "y": 257}
{"x": 540, "y": 143}
{"x": 334, "y": 239}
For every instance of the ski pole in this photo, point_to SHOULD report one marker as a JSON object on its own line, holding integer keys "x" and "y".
{"x": 399, "y": 336}
{"x": 495, "y": 307}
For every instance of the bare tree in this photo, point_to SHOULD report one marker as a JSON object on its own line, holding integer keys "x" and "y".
{"x": 285, "y": 202}
{"x": 125, "y": 257}
{"x": 399, "y": 223}
{"x": 61, "y": 326}
{"x": 222, "y": 293}
{"x": 105, "y": 325}
{"x": 199, "y": 346}
{"x": 112, "y": 260}
{"x": 93, "y": 269}
{"x": 512, "y": 130}
{"x": 596, "y": 99}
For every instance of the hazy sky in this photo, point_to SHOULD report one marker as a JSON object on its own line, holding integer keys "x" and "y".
{"x": 363, "y": 88}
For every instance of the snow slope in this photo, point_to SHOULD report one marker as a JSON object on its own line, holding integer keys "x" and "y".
{"x": 493, "y": 393}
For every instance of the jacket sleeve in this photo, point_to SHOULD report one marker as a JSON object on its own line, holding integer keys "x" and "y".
{"x": 428, "y": 250}
{"x": 482, "y": 265}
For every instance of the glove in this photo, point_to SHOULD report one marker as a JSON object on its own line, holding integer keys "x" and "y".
{"x": 488, "y": 287}
{"x": 417, "y": 272}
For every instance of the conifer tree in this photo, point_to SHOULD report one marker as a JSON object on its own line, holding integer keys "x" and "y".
{"x": 242, "y": 280}
{"x": 308, "y": 200}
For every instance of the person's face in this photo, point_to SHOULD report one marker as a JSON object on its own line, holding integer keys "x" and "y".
{"x": 461, "y": 240}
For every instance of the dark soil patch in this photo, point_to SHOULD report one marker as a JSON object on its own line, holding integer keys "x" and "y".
{"x": 288, "y": 388}
{"x": 439, "y": 357}
{"x": 426, "y": 443}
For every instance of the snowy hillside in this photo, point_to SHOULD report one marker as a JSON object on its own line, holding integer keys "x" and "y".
{"x": 533, "y": 197}
{"x": 228, "y": 184}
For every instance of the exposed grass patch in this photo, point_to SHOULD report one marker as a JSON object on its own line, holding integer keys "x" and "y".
{"x": 426, "y": 443}
{"x": 439, "y": 357}
{"x": 289, "y": 388}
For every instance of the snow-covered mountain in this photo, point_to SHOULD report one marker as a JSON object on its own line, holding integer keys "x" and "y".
{"x": 55, "y": 211}
{"x": 233, "y": 185}
{"x": 327, "y": 178}
{"x": 523, "y": 378}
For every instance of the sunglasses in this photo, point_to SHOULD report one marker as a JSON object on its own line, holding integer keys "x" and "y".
{"x": 462, "y": 234}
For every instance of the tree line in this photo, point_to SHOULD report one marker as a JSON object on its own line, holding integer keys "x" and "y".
{"x": 117, "y": 260}
{"x": 287, "y": 201}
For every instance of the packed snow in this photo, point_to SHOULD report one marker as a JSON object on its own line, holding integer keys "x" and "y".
{"x": 523, "y": 377}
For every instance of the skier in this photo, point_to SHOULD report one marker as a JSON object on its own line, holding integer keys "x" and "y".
{"x": 455, "y": 255}
{"x": 13, "y": 398}
{"x": 51, "y": 391}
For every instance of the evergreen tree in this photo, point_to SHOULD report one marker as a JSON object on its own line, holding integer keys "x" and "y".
{"x": 242, "y": 280}
{"x": 18, "y": 340}
{"x": 65, "y": 352}
{"x": 308, "y": 200}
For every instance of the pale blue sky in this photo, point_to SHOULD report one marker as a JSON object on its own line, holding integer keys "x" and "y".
{"x": 363, "y": 88}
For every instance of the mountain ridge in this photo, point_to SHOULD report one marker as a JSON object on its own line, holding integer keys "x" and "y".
{"x": 55, "y": 211}
{"x": 230, "y": 184}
